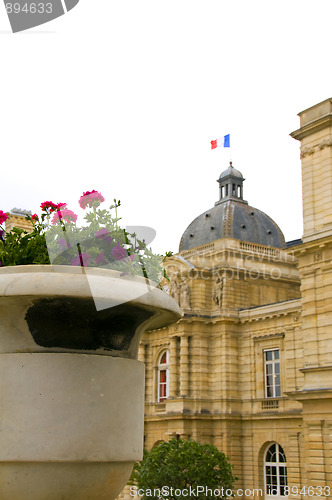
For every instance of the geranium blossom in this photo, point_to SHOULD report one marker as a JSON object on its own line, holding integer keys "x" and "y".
{"x": 91, "y": 199}
{"x": 76, "y": 261}
{"x": 3, "y": 217}
{"x": 34, "y": 218}
{"x": 50, "y": 207}
{"x": 66, "y": 215}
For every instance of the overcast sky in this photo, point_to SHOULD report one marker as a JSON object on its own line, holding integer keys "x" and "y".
{"x": 125, "y": 96}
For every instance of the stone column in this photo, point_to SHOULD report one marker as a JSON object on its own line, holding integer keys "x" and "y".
{"x": 184, "y": 366}
{"x": 173, "y": 368}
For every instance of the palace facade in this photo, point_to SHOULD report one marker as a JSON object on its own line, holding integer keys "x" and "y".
{"x": 248, "y": 368}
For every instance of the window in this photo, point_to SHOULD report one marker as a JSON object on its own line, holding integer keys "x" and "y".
{"x": 163, "y": 377}
{"x": 272, "y": 374}
{"x": 275, "y": 472}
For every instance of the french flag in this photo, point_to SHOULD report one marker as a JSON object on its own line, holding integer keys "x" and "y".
{"x": 221, "y": 142}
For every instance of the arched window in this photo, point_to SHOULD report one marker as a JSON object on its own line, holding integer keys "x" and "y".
{"x": 275, "y": 472}
{"x": 163, "y": 376}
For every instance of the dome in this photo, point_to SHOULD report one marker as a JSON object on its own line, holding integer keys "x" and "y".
{"x": 231, "y": 171}
{"x": 232, "y": 217}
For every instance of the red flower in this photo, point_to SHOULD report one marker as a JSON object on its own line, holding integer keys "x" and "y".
{"x": 50, "y": 207}
{"x": 91, "y": 199}
{"x": 3, "y": 217}
{"x": 34, "y": 218}
{"x": 66, "y": 215}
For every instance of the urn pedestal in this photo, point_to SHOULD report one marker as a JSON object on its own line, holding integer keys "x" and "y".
{"x": 71, "y": 388}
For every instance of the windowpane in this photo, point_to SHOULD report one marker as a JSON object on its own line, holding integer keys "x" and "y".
{"x": 163, "y": 359}
{"x": 282, "y": 457}
{"x": 269, "y": 392}
{"x": 271, "y": 453}
{"x": 276, "y": 354}
{"x": 268, "y": 355}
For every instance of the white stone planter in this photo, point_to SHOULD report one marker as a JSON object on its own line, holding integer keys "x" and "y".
{"x": 71, "y": 389}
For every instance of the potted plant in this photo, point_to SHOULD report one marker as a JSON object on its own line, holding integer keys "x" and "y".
{"x": 73, "y": 303}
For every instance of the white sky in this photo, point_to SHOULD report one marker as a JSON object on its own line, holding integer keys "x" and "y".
{"x": 125, "y": 96}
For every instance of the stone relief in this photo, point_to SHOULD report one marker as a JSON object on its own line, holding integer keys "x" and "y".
{"x": 217, "y": 292}
{"x": 180, "y": 292}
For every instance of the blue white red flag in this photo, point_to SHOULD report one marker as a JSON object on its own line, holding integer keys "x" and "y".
{"x": 221, "y": 142}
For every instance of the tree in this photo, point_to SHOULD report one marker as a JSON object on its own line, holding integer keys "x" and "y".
{"x": 182, "y": 469}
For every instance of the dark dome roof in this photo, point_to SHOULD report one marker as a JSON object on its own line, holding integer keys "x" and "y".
{"x": 231, "y": 171}
{"x": 232, "y": 217}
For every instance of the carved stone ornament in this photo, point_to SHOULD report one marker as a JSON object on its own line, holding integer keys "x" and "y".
{"x": 181, "y": 293}
{"x": 184, "y": 295}
{"x": 217, "y": 291}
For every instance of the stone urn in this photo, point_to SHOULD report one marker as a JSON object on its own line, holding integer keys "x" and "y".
{"x": 71, "y": 388}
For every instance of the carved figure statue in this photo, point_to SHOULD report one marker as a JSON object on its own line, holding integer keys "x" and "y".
{"x": 184, "y": 295}
{"x": 217, "y": 291}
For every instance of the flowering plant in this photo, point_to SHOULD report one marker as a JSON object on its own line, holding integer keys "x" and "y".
{"x": 56, "y": 238}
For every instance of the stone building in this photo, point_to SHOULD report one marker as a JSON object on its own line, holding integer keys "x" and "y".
{"x": 248, "y": 368}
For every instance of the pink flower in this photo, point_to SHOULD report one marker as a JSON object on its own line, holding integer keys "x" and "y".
{"x": 119, "y": 252}
{"x": 76, "y": 261}
{"x": 104, "y": 234}
{"x": 34, "y": 218}
{"x": 100, "y": 258}
{"x": 3, "y": 217}
{"x": 91, "y": 199}
{"x": 65, "y": 214}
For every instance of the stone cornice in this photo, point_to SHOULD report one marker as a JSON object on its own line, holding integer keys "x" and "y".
{"x": 270, "y": 311}
{"x": 280, "y": 335}
{"x": 311, "y": 246}
{"x": 312, "y": 127}
{"x": 308, "y": 394}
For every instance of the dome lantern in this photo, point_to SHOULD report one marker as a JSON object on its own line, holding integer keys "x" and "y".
{"x": 230, "y": 185}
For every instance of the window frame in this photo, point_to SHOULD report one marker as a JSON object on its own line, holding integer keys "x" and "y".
{"x": 278, "y": 466}
{"x": 274, "y": 374}
{"x": 163, "y": 367}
